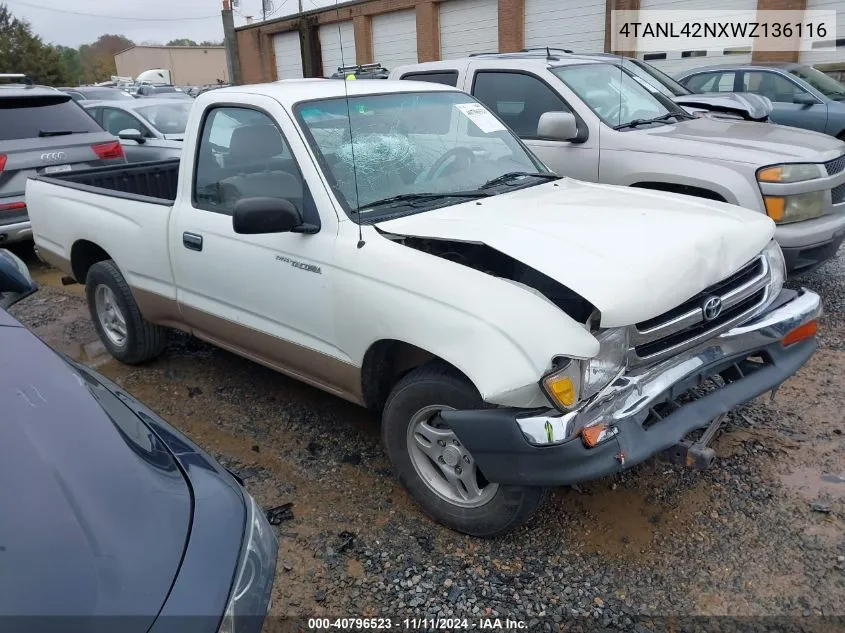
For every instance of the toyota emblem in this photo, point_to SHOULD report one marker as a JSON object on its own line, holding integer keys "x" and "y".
{"x": 53, "y": 157}
{"x": 711, "y": 308}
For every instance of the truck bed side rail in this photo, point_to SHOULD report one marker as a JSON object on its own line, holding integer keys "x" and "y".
{"x": 153, "y": 181}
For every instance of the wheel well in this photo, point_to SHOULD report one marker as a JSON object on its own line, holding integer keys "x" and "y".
{"x": 385, "y": 362}
{"x": 83, "y": 255}
{"x": 689, "y": 190}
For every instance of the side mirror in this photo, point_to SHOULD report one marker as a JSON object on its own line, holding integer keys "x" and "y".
{"x": 15, "y": 280}
{"x": 804, "y": 98}
{"x": 254, "y": 216}
{"x": 131, "y": 135}
{"x": 558, "y": 126}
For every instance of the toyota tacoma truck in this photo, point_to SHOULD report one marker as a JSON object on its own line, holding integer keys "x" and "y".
{"x": 603, "y": 122}
{"x": 395, "y": 244}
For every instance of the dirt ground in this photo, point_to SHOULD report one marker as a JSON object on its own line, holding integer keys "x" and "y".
{"x": 760, "y": 533}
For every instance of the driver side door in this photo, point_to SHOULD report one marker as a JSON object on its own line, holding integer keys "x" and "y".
{"x": 265, "y": 296}
{"x": 519, "y": 98}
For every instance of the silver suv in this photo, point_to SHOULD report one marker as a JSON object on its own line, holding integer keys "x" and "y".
{"x": 598, "y": 122}
{"x": 42, "y": 131}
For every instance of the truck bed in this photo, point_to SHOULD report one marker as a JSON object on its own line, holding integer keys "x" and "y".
{"x": 153, "y": 181}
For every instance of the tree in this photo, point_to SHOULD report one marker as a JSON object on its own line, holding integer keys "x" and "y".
{"x": 210, "y": 43}
{"x": 97, "y": 59}
{"x": 72, "y": 64}
{"x": 184, "y": 41}
{"x": 23, "y": 52}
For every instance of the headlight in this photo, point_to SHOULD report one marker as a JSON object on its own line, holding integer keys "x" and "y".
{"x": 796, "y": 172}
{"x": 795, "y": 208}
{"x": 250, "y": 595}
{"x": 777, "y": 266}
{"x": 576, "y": 381}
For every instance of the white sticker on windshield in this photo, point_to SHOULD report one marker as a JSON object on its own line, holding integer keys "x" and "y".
{"x": 482, "y": 117}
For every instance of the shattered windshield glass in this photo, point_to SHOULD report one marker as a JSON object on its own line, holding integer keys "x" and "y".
{"x": 413, "y": 149}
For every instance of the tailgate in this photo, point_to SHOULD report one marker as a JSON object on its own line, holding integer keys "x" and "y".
{"x": 45, "y": 156}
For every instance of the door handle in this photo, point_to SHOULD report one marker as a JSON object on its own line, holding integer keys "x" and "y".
{"x": 192, "y": 241}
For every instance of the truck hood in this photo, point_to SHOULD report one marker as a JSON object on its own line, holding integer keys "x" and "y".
{"x": 96, "y": 512}
{"x": 633, "y": 254}
{"x": 739, "y": 141}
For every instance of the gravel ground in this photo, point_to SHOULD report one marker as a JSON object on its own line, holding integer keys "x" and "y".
{"x": 759, "y": 534}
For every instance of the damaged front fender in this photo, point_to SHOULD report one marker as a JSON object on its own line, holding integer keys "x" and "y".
{"x": 501, "y": 334}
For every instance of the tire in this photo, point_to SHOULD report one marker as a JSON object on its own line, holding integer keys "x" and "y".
{"x": 428, "y": 388}
{"x": 142, "y": 341}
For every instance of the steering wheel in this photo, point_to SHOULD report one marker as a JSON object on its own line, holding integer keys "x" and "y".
{"x": 457, "y": 154}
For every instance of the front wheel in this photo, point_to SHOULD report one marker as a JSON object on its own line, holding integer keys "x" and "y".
{"x": 434, "y": 467}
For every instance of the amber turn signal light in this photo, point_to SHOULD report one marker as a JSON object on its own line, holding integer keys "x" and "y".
{"x": 802, "y": 332}
{"x": 594, "y": 435}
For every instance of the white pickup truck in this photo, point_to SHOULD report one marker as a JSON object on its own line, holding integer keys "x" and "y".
{"x": 399, "y": 247}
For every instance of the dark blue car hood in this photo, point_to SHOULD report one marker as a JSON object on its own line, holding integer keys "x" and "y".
{"x": 94, "y": 511}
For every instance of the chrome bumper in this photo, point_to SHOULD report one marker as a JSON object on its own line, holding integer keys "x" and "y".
{"x": 631, "y": 395}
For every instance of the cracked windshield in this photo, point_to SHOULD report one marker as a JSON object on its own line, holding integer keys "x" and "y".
{"x": 414, "y": 151}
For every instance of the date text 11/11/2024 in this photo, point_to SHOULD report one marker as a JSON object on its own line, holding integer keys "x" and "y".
{"x": 416, "y": 624}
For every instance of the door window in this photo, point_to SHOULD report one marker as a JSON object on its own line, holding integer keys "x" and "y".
{"x": 115, "y": 121}
{"x": 772, "y": 85}
{"x": 447, "y": 77}
{"x": 243, "y": 154}
{"x": 712, "y": 82}
{"x": 518, "y": 99}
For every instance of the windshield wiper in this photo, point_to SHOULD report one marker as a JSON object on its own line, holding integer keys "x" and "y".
{"x": 45, "y": 133}
{"x": 421, "y": 197}
{"x": 518, "y": 174}
{"x": 656, "y": 119}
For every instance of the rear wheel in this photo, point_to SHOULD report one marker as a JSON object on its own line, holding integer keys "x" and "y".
{"x": 127, "y": 335}
{"x": 434, "y": 467}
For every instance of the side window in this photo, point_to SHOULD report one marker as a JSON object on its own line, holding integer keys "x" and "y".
{"x": 518, "y": 99}
{"x": 243, "y": 154}
{"x": 772, "y": 85}
{"x": 447, "y": 77}
{"x": 114, "y": 121}
{"x": 95, "y": 113}
{"x": 712, "y": 82}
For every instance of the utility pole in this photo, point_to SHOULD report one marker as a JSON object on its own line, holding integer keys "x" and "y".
{"x": 230, "y": 40}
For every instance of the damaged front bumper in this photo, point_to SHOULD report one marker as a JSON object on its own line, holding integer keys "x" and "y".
{"x": 543, "y": 447}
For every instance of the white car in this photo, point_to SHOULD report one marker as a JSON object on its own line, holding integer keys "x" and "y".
{"x": 399, "y": 247}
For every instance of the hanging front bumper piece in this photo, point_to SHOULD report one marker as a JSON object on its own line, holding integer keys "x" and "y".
{"x": 645, "y": 411}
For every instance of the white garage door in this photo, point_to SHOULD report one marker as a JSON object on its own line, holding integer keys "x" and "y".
{"x": 395, "y": 38}
{"x": 330, "y": 41}
{"x": 824, "y": 55}
{"x": 577, "y": 26}
{"x": 674, "y": 62}
{"x": 468, "y": 26}
{"x": 288, "y": 55}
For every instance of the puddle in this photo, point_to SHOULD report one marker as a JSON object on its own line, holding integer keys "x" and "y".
{"x": 811, "y": 483}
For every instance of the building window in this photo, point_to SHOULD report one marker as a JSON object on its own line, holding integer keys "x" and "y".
{"x": 685, "y": 54}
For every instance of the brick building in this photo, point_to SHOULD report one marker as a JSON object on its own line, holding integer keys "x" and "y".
{"x": 395, "y": 32}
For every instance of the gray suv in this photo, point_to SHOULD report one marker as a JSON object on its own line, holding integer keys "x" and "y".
{"x": 42, "y": 131}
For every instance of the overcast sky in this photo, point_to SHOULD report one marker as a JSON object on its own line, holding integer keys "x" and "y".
{"x": 140, "y": 20}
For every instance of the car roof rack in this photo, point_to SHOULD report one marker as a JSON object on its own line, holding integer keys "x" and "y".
{"x": 540, "y": 51}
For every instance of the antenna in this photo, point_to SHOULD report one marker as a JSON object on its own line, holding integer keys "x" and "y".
{"x": 349, "y": 120}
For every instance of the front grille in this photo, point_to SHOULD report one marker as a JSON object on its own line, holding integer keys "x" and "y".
{"x": 684, "y": 325}
{"x": 837, "y": 194}
{"x": 835, "y": 166}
